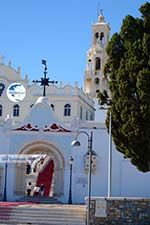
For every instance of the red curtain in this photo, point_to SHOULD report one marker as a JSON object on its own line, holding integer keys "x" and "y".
{"x": 45, "y": 177}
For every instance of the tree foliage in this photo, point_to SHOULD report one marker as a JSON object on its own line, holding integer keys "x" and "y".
{"x": 128, "y": 68}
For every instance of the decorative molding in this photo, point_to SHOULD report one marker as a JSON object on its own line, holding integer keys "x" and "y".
{"x": 53, "y": 128}
{"x": 27, "y": 127}
{"x": 56, "y": 128}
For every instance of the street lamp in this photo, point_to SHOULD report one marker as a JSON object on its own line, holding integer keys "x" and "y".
{"x": 76, "y": 143}
{"x": 109, "y": 193}
{"x": 70, "y": 185}
{"x": 5, "y": 184}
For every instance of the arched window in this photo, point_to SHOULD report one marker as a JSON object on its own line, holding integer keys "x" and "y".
{"x": 28, "y": 168}
{"x": 87, "y": 115}
{"x": 102, "y": 37}
{"x": 52, "y": 106}
{"x": 96, "y": 80}
{"x": 91, "y": 117}
{"x": 1, "y": 110}
{"x": 96, "y": 38}
{"x": 2, "y": 87}
{"x": 81, "y": 111}
{"x": 97, "y": 63}
{"x": 97, "y": 92}
{"x": 16, "y": 110}
{"x": 67, "y": 110}
{"x": 96, "y": 35}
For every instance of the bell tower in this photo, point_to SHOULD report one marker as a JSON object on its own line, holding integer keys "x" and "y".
{"x": 94, "y": 80}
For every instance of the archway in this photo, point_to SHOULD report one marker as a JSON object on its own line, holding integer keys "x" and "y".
{"x": 56, "y": 158}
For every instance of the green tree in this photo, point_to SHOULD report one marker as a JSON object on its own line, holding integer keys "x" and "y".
{"x": 128, "y": 69}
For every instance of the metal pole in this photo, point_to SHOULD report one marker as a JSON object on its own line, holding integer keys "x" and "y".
{"x": 110, "y": 158}
{"x": 90, "y": 140}
{"x": 5, "y": 185}
{"x": 70, "y": 186}
{"x": 44, "y": 89}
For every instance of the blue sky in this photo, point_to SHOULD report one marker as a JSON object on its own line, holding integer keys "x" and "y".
{"x": 58, "y": 31}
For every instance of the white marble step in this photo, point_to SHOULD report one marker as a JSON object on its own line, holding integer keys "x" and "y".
{"x": 43, "y": 214}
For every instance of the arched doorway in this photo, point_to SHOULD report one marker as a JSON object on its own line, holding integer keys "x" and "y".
{"x": 56, "y": 164}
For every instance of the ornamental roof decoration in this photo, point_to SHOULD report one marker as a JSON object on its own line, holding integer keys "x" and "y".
{"x": 41, "y": 118}
{"x": 53, "y": 128}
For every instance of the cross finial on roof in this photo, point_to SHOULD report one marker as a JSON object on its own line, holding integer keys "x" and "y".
{"x": 101, "y": 12}
{"x": 98, "y": 9}
{"x": 45, "y": 81}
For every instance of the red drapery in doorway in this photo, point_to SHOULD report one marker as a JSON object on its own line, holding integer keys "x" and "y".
{"x": 45, "y": 177}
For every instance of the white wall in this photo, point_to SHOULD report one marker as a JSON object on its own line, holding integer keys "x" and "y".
{"x": 126, "y": 180}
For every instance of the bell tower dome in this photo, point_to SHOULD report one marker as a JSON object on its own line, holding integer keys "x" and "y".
{"x": 94, "y": 80}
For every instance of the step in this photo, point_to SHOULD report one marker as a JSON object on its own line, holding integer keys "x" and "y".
{"x": 32, "y": 220}
{"x": 77, "y": 214}
{"x": 53, "y": 212}
{"x": 25, "y": 205}
{"x": 39, "y": 199}
{"x": 51, "y": 216}
{"x": 44, "y": 208}
{"x": 42, "y": 220}
{"x": 46, "y": 214}
{"x": 42, "y": 223}
{"x": 45, "y": 223}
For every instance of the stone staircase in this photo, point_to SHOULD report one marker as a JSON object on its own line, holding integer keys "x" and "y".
{"x": 41, "y": 214}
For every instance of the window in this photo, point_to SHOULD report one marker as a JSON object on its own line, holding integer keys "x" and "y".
{"x": 96, "y": 39}
{"x": 97, "y": 63}
{"x": 97, "y": 93}
{"x": 91, "y": 117}
{"x": 67, "y": 110}
{"x": 96, "y": 80}
{"x": 86, "y": 115}
{"x": 102, "y": 37}
{"x": 97, "y": 35}
{"x": 16, "y": 110}
{"x": 1, "y": 110}
{"x": 81, "y": 110}
{"x": 28, "y": 168}
{"x": 52, "y": 106}
{"x": 2, "y": 87}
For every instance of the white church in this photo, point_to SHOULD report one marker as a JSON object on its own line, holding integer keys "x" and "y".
{"x": 36, "y": 132}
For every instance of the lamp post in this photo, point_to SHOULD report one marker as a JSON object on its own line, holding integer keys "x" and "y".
{"x": 77, "y": 144}
{"x": 109, "y": 192}
{"x": 110, "y": 159}
{"x": 70, "y": 184}
{"x": 5, "y": 184}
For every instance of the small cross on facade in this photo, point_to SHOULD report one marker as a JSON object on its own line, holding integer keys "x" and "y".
{"x": 44, "y": 80}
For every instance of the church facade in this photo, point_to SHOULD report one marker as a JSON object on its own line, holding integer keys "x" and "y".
{"x": 36, "y": 135}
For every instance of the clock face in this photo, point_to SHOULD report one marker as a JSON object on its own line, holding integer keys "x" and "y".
{"x": 16, "y": 92}
{"x": 2, "y": 87}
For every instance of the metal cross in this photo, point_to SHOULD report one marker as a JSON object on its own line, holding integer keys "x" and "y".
{"x": 45, "y": 81}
